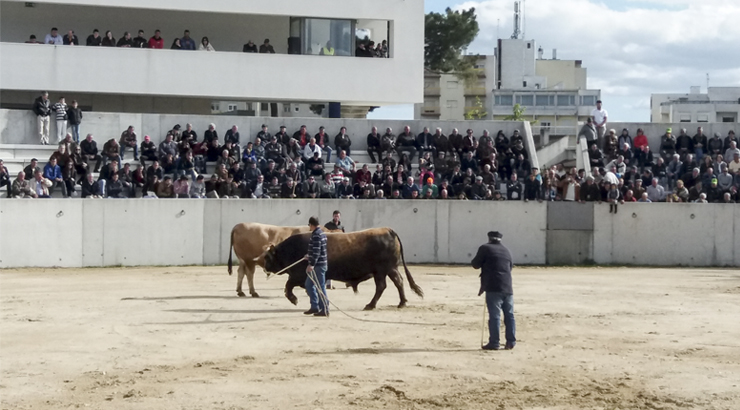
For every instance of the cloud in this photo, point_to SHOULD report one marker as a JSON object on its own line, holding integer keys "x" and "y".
{"x": 631, "y": 48}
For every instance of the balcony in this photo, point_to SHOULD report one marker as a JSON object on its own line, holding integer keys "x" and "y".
{"x": 430, "y": 111}
{"x": 261, "y": 77}
{"x": 475, "y": 91}
{"x": 431, "y": 91}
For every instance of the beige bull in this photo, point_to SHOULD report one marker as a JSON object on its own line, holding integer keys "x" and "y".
{"x": 249, "y": 241}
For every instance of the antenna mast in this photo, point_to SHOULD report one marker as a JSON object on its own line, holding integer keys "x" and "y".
{"x": 517, "y": 21}
{"x": 524, "y": 19}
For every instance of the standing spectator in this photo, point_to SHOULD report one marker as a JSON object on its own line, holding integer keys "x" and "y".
{"x": 74, "y": 118}
{"x": 613, "y": 197}
{"x": 599, "y": 117}
{"x": 186, "y": 42}
{"x": 53, "y": 173}
{"x": 21, "y": 187}
{"x": 533, "y": 188}
{"x": 266, "y": 47}
{"x": 156, "y": 41}
{"x": 71, "y": 39}
{"x": 94, "y": 39}
{"x": 4, "y": 178}
{"x": 588, "y": 131}
{"x": 250, "y": 47}
{"x": 42, "y": 109}
{"x": 128, "y": 140}
{"x": 126, "y": 41}
{"x": 362, "y": 51}
{"x": 61, "y": 118}
{"x": 140, "y": 41}
{"x": 205, "y": 45}
{"x": 342, "y": 142}
{"x": 108, "y": 40}
{"x": 514, "y": 189}
{"x": 53, "y": 38}
{"x": 327, "y": 50}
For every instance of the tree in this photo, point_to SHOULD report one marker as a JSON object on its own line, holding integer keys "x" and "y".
{"x": 477, "y": 113}
{"x": 445, "y": 37}
{"x": 518, "y": 114}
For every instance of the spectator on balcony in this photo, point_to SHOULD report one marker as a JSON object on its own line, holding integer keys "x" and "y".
{"x": 186, "y": 42}
{"x": 322, "y": 139}
{"x": 108, "y": 40}
{"x": 21, "y": 187}
{"x": 53, "y": 38}
{"x": 176, "y": 45}
{"x": 140, "y": 41}
{"x": 71, "y": 39}
{"x": 128, "y": 140}
{"x": 60, "y": 108}
{"x": 205, "y": 45}
{"x": 406, "y": 142}
{"x": 94, "y": 39}
{"x": 266, "y": 47}
{"x": 729, "y": 138}
{"x": 32, "y": 40}
{"x": 342, "y": 141}
{"x": 362, "y": 51}
{"x": 327, "y": 50}
{"x": 156, "y": 41}
{"x": 250, "y": 47}
{"x": 53, "y": 173}
{"x": 126, "y": 41}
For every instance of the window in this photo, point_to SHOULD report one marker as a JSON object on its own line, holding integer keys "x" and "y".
{"x": 452, "y": 84}
{"x": 685, "y": 118}
{"x": 431, "y": 102}
{"x": 566, "y": 100}
{"x": 232, "y": 107}
{"x": 264, "y": 107}
{"x": 703, "y": 118}
{"x": 527, "y": 100}
{"x": 215, "y": 107}
{"x": 507, "y": 100}
{"x": 588, "y": 100}
{"x": 286, "y": 107}
{"x": 545, "y": 124}
{"x": 529, "y": 45}
{"x": 316, "y": 32}
{"x": 451, "y": 103}
{"x": 524, "y": 84}
{"x": 728, "y": 119}
{"x": 544, "y": 100}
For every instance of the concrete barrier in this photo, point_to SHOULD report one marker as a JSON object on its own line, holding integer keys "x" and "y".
{"x": 89, "y": 233}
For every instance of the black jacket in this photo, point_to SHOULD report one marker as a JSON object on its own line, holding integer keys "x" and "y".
{"x": 41, "y": 107}
{"x": 74, "y": 116}
{"x": 494, "y": 261}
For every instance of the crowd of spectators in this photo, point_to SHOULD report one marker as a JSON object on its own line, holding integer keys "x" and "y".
{"x": 683, "y": 169}
{"x": 365, "y": 48}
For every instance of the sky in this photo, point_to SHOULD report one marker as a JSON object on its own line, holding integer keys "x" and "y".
{"x": 631, "y": 48}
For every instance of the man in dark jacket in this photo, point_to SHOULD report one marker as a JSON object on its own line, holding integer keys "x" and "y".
{"x": 42, "y": 109}
{"x": 495, "y": 263}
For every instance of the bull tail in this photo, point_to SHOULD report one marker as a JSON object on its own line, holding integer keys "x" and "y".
{"x": 231, "y": 246}
{"x": 416, "y": 288}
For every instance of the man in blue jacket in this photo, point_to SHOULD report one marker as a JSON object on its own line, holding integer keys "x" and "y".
{"x": 494, "y": 260}
{"x": 53, "y": 173}
{"x": 316, "y": 270}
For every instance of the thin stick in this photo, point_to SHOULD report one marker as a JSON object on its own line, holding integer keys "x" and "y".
{"x": 278, "y": 273}
{"x": 483, "y": 324}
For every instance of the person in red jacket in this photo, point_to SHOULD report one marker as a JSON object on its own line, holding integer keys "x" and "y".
{"x": 156, "y": 41}
{"x": 640, "y": 140}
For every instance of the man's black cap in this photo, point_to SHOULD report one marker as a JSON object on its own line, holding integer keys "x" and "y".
{"x": 264, "y": 126}
{"x": 495, "y": 235}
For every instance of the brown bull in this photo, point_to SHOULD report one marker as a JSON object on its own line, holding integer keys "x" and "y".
{"x": 249, "y": 241}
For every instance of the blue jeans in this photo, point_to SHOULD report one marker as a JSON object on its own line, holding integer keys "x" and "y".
{"x": 497, "y": 302}
{"x": 76, "y": 132}
{"x": 328, "y": 150}
{"x": 319, "y": 273}
{"x": 136, "y": 153}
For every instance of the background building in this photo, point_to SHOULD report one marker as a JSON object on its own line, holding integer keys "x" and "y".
{"x": 105, "y": 79}
{"x": 718, "y": 104}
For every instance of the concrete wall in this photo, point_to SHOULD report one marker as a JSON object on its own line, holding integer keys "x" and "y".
{"x": 19, "y": 127}
{"x": 88, "y": 233}
{"x": 655, "y": 131}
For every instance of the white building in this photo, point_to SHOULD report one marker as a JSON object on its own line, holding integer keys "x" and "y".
{"x": 718, "y": 104}
{"x": 553, "y": 92}
{"x": 114, "y": 79}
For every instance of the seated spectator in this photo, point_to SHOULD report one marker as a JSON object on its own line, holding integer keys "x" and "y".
{"x": 610, "y": 144}
{"x": 315, "y": 165}
{"x": 626, "y": 138}
{"x": 380, "y": 174}
{"x": 430, "y": 190}
{"x": 322, "y": 140}
{"x": 53, "y": 173}
{"x": 250, "y": 47}
{"x": 198, "y": 188}
{"x": 374, "y": 144}
{"x": 69, "y": 178}
{"x": 311, "y": 149}
{"x": 667, "y": 145}
{"x": 655, "y": 192}
{"x": 345, "y": 190}
{"x": 406, "y": 142}
{"x": 126, "y": 41}
{"x": 680, "y": 194}
{"x": 21, "y": 188}
{"x": 41, "y": 185}
{"x": 514, "y": 189}
{"x": 289, "y": 189}
{"x": 70, "y": 39}
{"x": 478, "y": 190}
{"x": 629, "y": 197}
{"x": 327, "y": 187}
{"x": 181, "y": 187}
{"x": 732, "y": 149}
{"x": 590, "y": 192}
{"x": 148, "y": 151}
{"x": 533, "y": 189}
{"x": 274, "y": 188}
{"x": 645, "y": 198}
{"x": 111, "y": 151}
{"x": 32, "y": 40}
{"x": 408, "y": 188}
{"x": 90, "y": 188}
{"x": 311, "y": 188}
{"x": 114, "y": 187}
{"x": 128, "y": 140}
{"x": 165, "y": 189}
{"x": 4, "y": 178}
{"x": 266, "y": 47}
{"x": 337, "y": 175}
{"x": 387, "y": 141}
{"x": 345, "y": 163}
{"x": 363, "y": 190}
{"x": 363, "y": 175}
{"x": 595, "y": 156}
{"x": 212, "y": 186}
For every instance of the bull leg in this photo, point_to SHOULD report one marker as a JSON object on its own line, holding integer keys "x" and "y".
{"x": 379, "y": 288}
{"x": 397, "y": 279}
{"x": 289, "y": 285}
{"x": 250, "y": 278}
{"x": 242, "y": 271}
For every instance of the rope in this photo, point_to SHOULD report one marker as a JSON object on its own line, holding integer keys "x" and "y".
{"x": 327, "y": 302}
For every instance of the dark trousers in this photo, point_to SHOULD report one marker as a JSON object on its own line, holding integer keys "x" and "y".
{"x": 375, "y": 150}
{"x": 498, "y": 302}
{"x": 98, "y": 160}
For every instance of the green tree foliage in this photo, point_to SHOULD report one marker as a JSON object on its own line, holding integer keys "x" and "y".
{"x": 478, "y": 112}
{"x": 518, "y": 114}
{"x": 446, "y": 35}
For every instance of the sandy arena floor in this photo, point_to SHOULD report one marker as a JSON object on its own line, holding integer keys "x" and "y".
{"x": 179, "y": 338}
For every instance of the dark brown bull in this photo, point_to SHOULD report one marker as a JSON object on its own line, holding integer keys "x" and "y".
{"x": 352, "y": 258}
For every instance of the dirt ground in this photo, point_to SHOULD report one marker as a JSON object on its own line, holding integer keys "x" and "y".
{"x": 179, "y": 338}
